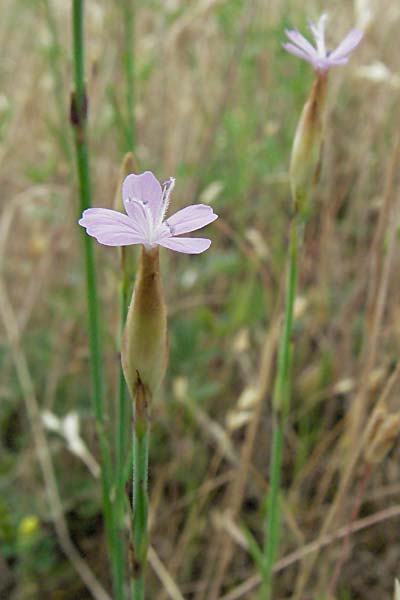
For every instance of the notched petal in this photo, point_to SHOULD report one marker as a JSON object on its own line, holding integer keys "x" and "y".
{"x": 301, "y": 42}
{"x": 110, "y": 227}
{"x": 190, "y": 218}
{"x": 347, "y": 45}
{"x": 144, "y": 188}
{"x": 186, "y": 245}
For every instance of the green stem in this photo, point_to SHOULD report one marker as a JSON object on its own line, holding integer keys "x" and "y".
{"x": 121, "y": 441}
{"x": 122, "y": 404}
{"x": 140, "y": 498}
{"x": 78, "y": 120}
{"x": 280, "y": 406}
{"x": 122, "y": 398}
{"x": 128, "y": 63}
{"x": 54, "y": 55}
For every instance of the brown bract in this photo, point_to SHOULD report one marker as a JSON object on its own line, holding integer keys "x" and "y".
{"x": 144, "y": 347}
{"x": 307, "y": 145}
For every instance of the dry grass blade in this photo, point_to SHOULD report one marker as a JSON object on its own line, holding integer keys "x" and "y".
{"x": 237, "y": 489}
{"x": 381, "y": 261}
{"x": 42, "y": 450}
{"x": 358, "y": 410}
{"x": 246, "y": 587}
{"x": 164, "y": 576}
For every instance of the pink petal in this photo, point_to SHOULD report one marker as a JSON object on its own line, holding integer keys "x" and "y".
{"x": 298, "y": 52}
{"x": 352, "y": 39}
{"x": 323, "y": 64}
{"x": 140, "y": 216}
{"x": 167, "y": 188}
{"x": 106, "y": 215}
{"x": 117, "y": 239}
{"x": 145, "y": 188}
{"x": 186, "y": 245}
{"x": 110, "y": 227}
{"x": 300, "y": 41}
{"x": 338, "y": 61}
{"x": 318, "y": 31}
{"x": 190, "y": 218}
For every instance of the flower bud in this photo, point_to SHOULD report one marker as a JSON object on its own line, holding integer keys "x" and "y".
{"x": 396, "y": 590}
{"x": 144, "y": 350}
{"x": 128, "y": 166}
{"x": 307, "y": 145}
{"x": 381, "y": 435}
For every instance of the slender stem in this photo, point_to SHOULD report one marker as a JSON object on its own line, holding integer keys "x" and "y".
{"x": 54, "y": 55}
{"x": 121, "y": 442}
{"x": 78, "y": 49}
{"x": 122, "y": 405}
{"x": 78, "y": 120}
{"x": 140, "y": 498}
{"x": 280, "y": 411}
{"x": 128, "y": 8}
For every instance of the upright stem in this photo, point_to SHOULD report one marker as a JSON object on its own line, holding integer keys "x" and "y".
{"x": 139, "y": 492}
{"x": 54, "y": 55}
{"x": 123, "y": 452}
{"x": 122, "y": 405}
{"x": 78, "y": 121}
{"x": 128, "y": 63}
{"x": 121, "y": 431}
{"x": 280, "y": 406}
{"x": 144, "y": 357}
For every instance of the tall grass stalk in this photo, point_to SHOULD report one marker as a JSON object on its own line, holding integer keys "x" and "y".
{"x": 305, "y": 164}
{"x": 280, "y": 408}
{"x": 54, "y": 54}
{"x": 78, "y": 120}
{"x": 128, "y": 19}
{"x": 139, "y": 493}
{"x": 122, "y": 421}
{"x": 123, "y": 455}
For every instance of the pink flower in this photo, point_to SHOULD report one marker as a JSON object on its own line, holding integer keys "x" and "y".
{"x": 321, "y": 58}
{"x": 146, "y": 202}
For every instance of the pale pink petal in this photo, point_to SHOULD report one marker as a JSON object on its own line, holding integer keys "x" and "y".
{"x": 110, "y": 227}
{"x": 145, "y": 188}
{"x": 140, "y": 216}
{"x": 166, "y": 189}
{"x": 190, "y": 218}
{"x": 318, "y": 32}
{"x": 186, "y": 245}
{"x": 338, "y": 61}
{"x": 99, "y": 215}
{"x": 300, "y": 41}
{"x": 323, "y": 64}
{"x": 352, "y": 39}
{"x": 314, "y": 30}
{"x": 298, "y": 52}
{"x": 117, "y": 238}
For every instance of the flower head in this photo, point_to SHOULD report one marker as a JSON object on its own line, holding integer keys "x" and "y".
{"x": 146, "y": 202}
{"x": 319, "y": 57}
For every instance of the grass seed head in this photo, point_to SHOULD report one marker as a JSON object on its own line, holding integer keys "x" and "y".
{"x": 383, "y": 431}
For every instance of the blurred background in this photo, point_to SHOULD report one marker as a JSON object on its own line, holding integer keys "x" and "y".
{"x": 217, "y": 101}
